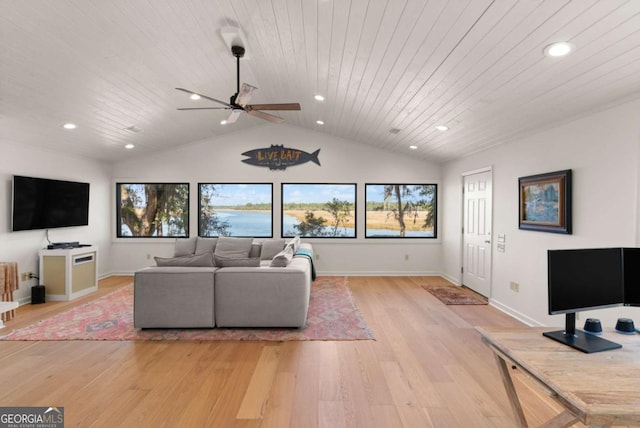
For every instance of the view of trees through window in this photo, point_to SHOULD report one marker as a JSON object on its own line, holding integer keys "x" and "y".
{"x": 153, "y": 210}
{"x": 319, "y": 210}
{"x": 400, "y": 210}
{"x": 149, "y": 210}
{"x": 235, "y": 209}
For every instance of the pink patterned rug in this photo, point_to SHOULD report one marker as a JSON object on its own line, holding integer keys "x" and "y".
{"x": 332, "y": 316}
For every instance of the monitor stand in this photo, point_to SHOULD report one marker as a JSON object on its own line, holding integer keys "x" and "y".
{"x": 578, "y": 339}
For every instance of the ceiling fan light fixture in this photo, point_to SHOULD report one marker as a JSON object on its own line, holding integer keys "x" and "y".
{"x": 129, "y": 146}
{"x": 318, "y": 97}
{"x": 194, "y": 97}
{"x": 320, "y": 122}
{"x": 412, "y": 147}
{"x": 69, "y": 125}
{"x": 559, "y": 49}
{"x": 442, "y": 128}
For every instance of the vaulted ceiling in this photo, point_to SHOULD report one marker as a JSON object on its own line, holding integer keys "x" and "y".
{"x": 390, "y": 70}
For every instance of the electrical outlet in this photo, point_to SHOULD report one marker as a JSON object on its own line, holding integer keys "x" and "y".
{"x": 148, "y": 256}
{"x": 24, "y": 276}
{"x": 316, "y": 256}
{"x": 406, "y": 257}
{"x": 514, "y": 286}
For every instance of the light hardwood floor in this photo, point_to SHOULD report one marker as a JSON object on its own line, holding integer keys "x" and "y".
{"x": 426, "y": 368}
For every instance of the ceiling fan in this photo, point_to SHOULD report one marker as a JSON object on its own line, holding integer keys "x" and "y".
{"x": 239, "y": 101}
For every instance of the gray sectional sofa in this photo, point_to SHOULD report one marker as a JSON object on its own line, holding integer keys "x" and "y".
{"x": 226, "y": 282}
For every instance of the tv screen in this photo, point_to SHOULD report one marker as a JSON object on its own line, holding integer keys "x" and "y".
{"x": 631, "y": 276}
{"x": 40, "y": 203}
{"x": 585, "y": 279}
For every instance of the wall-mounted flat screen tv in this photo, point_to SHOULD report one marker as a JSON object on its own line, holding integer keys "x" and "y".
{"x": 40, "y": 203}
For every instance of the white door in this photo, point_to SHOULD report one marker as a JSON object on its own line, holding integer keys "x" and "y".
{"x": 476, "y": 236}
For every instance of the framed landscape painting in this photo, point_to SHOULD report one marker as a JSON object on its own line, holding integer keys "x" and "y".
{"x": 318, "y": 210}
{"x": 235, "y": 209}
{"x": 545, "y": 202}
{"x": 401, "y": 210}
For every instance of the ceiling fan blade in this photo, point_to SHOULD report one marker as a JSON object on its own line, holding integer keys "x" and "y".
{"x": 265, "y": 116}
{"x": 235, "y": 113}
{"x": 286, "y": 106}
{"x": 244, "y": 96}
{"x": 204, "y": 108}
{"x": 205, "y": 97}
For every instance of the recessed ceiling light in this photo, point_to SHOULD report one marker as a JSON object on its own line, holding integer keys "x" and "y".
{"x": 442, "y": 128}
{"x": 129, "y": 146}
{"x": 319, "y": 97}
{"x": 558, "y": 49}
{"x": 194, "y": 96}
{"x": 223, "y": 122}
{"x": 413, "y": 147}
{"x": 69, "y": 126}
{"x": 320, "y": 122}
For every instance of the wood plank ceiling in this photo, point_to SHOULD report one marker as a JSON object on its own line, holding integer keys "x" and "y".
{"x": 476, "y": 66}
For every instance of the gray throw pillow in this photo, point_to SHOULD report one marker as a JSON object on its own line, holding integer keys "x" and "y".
{"x": 184, "y": 247}
{"x": 237, "y": 261}
{"x": 205, "y": 245}
{"x": 233, "y": 247}
{"x": 283, "y": 258}
{"x": 270, "y": 248}
{"x": 199, "y": 260}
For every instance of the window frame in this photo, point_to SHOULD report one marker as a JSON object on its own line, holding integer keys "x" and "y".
{"x": 283, "y": 231}
{"x": 271, "y": 214}
{"x": 367, "y": 187}
{"x": 119, "y": 222}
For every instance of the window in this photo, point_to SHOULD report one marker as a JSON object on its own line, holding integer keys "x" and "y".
{"x": 401, "y": 210}
{"x": 235, "y": 209}
{"x": 319, "y": 210}
{"x": 152, "y": 210}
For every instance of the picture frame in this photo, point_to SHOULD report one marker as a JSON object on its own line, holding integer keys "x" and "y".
{"x": 545, "y": 202}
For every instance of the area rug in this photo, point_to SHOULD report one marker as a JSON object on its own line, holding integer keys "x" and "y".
{"x": 332, "y": 316}
{"x": 454, "y": 295}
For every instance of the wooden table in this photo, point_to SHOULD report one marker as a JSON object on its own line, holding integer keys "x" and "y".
{"x": 600, "y": 389}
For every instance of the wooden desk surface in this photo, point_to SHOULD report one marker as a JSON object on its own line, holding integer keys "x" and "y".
{"x": 602, "y": 388}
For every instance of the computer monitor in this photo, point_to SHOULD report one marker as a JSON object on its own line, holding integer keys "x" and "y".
{"x": 631, "y": 260}
{"x": 580, "y": 280}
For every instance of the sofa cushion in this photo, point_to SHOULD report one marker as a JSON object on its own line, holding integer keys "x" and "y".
{"x": 270, "y": 248}
{"x": 184, "y": 247}
{"x": 283, "y": 258}
{"x": 192, "y": 260}
{"x": 233, "y": 247}
{"x": 205, "y": 245}
{"x": 237, "y": 261}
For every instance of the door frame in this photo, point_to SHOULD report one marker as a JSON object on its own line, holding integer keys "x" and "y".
{"x": 462, "y": 208}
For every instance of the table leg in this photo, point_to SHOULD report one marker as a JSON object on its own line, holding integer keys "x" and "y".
{"x": 511, "y": 391}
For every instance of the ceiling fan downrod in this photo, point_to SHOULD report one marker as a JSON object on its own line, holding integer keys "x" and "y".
{"x": 238, "y": 52}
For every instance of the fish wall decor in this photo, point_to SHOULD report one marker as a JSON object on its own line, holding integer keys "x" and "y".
{"x": 279, "y": 157}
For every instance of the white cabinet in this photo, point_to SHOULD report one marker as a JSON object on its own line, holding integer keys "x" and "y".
{"x": 69, "y": 273}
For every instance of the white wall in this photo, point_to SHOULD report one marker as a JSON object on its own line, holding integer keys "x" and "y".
{"x": 342, "y": 161}
{"x": 603, "y": 152}
{"x": 23, "y": 246}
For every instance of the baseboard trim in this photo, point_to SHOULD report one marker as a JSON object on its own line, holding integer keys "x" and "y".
{"x": 514, "y": 314}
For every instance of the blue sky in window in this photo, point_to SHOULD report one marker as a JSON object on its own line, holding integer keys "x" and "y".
{"x": 317, "y": 193}
{"x": 242, "y": 194}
